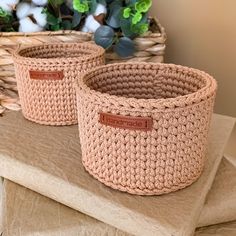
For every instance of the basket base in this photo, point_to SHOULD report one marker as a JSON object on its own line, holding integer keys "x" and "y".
{"x": 145, "y": 192}
{"x": 52, "y": 123}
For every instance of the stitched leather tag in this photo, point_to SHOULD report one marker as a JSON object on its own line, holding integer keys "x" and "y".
{"x": 46, "y": 75}
{"x": 126, "y": 122}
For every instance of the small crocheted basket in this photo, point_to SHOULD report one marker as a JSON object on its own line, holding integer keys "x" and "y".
{"x": 144, "y": 127}
{"x": 46, "y": 75}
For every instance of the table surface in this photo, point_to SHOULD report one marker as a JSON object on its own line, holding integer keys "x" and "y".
{"x": 48, "y": 161}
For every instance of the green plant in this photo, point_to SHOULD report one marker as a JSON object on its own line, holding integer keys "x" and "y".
{"x": 126, "y": 20}
{"x": 62, "y": 16}
{"x": 6, "y": 20}
{"x": 115, "y": 23}
{"x": 80, "y": 6}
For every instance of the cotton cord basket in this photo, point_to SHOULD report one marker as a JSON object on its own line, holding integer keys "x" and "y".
{"x": 144, "y": 126}
{"x": 46, "y": 75}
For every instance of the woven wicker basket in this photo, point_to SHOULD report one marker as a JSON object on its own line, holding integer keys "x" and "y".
{"x": 150, "y": 47}
{"x": 144, "y": 126}
{"x": 46, "y": 75}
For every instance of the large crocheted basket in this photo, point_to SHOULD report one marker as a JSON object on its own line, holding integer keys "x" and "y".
{"x": 143, "y": 127}
{"x": 45, "y": 76}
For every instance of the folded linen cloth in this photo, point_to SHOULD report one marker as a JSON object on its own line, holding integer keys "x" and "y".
{"x": 220, "y": 204}
{"x": 226, "y": 229}
{"x": 50, "y": 218}
{"x": 27, "y": 213}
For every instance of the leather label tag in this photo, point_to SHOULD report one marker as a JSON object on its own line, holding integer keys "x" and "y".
{"x": 46, "y": 75}
{"x": 126, "y": 122}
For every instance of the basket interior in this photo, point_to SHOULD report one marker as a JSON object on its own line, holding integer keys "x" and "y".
{"x": 60, "y": 51}
{"x": 145, "y": 83}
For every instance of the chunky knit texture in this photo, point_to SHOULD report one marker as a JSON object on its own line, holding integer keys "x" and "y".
{"x": 169, "y": 157}
{"x": 53, "y": 101}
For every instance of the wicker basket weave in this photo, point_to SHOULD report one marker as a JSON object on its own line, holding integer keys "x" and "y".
{"x": 144, "y": 126}
{"x": 46, "y": 75}
{"x": 150, "y": 47}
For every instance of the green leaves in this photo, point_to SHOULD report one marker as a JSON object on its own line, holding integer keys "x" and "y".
{"x": 137, "y": 18}
{"x": 104, "y": 36}
{"x": 86, "y": 6}
{"x": 63, "y": 18}
{"x": 5, "y": 16}
{"x": 66, "y": 24}
{"x": 126, "y": 28}
{"x": 6, "y": 20}
{"x": 53, "y": 22}
{"x": 140, "y": 29}
{"x": 81, "y": 7}
{"x": 126, "y": 12}
{"x": 143, "y": 5}
{"x": 3, "y": 13}
{"x": 136, "y": 12}
{"x": 121, "y": 20}
{"x": 51, "y": 19}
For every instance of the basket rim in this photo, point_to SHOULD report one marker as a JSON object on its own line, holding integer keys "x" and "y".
{"x": 44, "y": 33}
{"x": 80, "y": 33}
{"x": 97, "y": 52}
{"x": 203, "y": 93}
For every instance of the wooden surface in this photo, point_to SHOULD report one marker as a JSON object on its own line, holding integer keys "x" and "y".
{"x": 48, "y": 161}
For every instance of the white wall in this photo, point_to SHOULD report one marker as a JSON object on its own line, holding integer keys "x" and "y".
{"x": 202, "y": 34}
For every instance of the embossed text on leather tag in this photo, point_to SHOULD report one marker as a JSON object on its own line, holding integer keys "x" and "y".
{"x": 46, "y": 75}
{"x": 126, "y": 122}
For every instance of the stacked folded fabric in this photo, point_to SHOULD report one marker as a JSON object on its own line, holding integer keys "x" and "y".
{"x": 59, "y": 175}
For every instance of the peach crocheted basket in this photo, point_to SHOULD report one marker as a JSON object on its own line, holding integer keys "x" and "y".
{"x": 143, "y": 127}
{"x": 45, "y": 76}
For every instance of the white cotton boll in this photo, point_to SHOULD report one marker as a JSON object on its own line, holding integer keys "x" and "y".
{"x": 101, "y": 9}
{"x": 41, "y": 18}
{"x": 91, "y": 24}
{"x": 5, "y": 7}
{"x": 40, "y": 2}
{"x": 22, "y": 10}
{"x": 27, "y": 26}
{"x": 84, "y": 29}
{"x": 11, "y": 2}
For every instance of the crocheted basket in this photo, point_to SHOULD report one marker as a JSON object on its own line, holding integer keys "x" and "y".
{"x": 143, "y": 127}
{"x": 46, "y": 75}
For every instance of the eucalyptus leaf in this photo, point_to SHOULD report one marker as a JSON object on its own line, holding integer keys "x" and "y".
{"x": 93, "y": 5}
{"x": 52, "y": 20}
{"x": 55, "y": 27}
{"x": 65, "y": 10}
{"x": 104, "y": 36}
{"x": 66, "y": 24}
{"x": 76, "y": 19}
{"x": 125, "y": 47}
{"x": 103, "y": 2}
{"x": 126, "y": 28}
{"x": 109, "y": 1}
{"x": 114, "y": 14}
{"x": 130, "y": 2}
